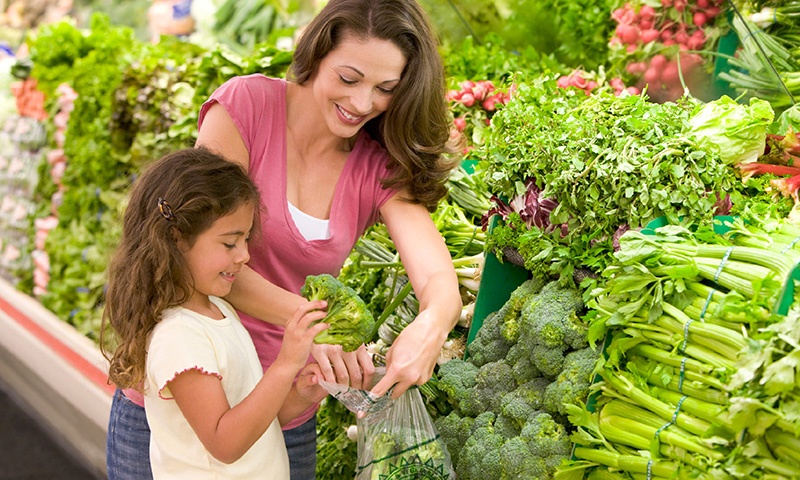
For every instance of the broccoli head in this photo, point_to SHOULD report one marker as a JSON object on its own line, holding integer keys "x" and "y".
{"x": 573, "y": 383}
{"x": 550, "y": 318}
{"x": 549, "y": 361}
{"x": 454, "y": 430}
{"x": 517, "y": 461}
{"x": 520, "y": 360}
{"x": 480, "y": 457}
{"x": 510, "y": 327}
{"x": 493, "y": 381}
{"x": 547, "y": 439}
{"x": 519, "y": 404}
{"x": 350, "y": 321}
{"x": 456, "y": 380}
{"x": 489, "y": 345}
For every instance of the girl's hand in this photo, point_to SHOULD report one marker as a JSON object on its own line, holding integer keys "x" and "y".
{"x": 345, "y": 368}
{"x": 298, "y": 336}
{"x": 307, "y": 385}
{"x": 412, "y": 357}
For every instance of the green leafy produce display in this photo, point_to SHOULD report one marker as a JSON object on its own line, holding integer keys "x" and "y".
{"x": 527, "y": 361}
{"x": 573, "y": 171}
{"x": 699, "y": 370}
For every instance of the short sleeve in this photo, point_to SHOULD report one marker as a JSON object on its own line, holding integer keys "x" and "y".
{"x": 244, "y": 98}
{"x": 177, "y": 345}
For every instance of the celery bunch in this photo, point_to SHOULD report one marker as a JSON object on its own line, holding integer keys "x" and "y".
{"x": 701, "y": 372}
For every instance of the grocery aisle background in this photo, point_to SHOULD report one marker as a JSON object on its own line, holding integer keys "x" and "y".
{"x": 27, "y": 449}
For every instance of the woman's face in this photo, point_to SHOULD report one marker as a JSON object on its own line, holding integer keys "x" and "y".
{"x": 355, "y": 82}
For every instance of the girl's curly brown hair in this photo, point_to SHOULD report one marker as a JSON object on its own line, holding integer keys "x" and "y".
{"x": 178, "y": 196}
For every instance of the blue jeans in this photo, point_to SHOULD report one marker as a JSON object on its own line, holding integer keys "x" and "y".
{"x": 128, "y": 441}
{"x": 301, "y": 443}
{"x": 128, "y": 444}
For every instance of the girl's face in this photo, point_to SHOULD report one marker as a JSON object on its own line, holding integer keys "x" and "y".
{"x": 217, "y": 255}
{"x": 355, "y": 82}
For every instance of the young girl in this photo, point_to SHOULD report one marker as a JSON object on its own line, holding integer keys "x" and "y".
{"x": 212, "y": 410}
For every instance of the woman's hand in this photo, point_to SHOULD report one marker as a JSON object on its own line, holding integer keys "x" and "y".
{"x": 345, "y": 368}
{"x": 307, "y": 385}
{"x": 412, "y": 357}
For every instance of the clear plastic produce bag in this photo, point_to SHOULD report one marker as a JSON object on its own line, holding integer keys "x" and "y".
{"x": 396, "y": 438}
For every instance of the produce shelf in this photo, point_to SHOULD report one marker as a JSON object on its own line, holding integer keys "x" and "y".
{"x": 58, "y": 373}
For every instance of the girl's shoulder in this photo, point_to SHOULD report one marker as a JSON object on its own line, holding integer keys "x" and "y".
{"x": 226, "y": 308}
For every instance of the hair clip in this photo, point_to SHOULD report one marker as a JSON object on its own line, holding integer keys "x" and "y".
{"x": 165, "y": 210}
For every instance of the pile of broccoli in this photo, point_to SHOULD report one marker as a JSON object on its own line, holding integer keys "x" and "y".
{"x": 528, "y": 360}
{"x": 351, "y": 323}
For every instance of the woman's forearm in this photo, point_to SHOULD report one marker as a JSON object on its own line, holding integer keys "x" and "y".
{"x": 253, "y": 295}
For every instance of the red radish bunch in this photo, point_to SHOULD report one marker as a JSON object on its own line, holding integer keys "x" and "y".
{"x": 676, "y": 26}
{"x": 577, "y": 79}
{"x": 482, "y": 93}
{"x": 582, "y": 80}
{"x": 473, "y": 105}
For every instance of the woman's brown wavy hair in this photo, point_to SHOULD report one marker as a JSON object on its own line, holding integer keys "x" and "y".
{"x": 415, "y": 129}
{"x": 146, "y": 274}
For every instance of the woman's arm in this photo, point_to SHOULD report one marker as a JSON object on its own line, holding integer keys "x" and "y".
{"x": 412, "y": 357}
{"x": 219, "y": 133}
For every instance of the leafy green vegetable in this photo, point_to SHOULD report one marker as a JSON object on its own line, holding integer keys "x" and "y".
{"x": 609, "y": 162}
{"x": 736, "y": 132}
{"x": 351, "y": 324}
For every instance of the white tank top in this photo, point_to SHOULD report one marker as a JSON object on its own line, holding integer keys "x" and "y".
{"x": 312, "y": 228}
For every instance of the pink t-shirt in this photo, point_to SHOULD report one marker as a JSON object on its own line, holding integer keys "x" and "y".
{"x": 257, "y": 105}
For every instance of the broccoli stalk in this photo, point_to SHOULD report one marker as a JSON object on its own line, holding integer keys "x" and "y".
{"x": 350, "y": 321}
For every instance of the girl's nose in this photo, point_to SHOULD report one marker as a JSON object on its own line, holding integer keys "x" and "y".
{"x": 244, "y": 257}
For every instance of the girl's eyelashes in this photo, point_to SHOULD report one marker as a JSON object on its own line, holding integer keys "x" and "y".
{"x": 229, "y": 246}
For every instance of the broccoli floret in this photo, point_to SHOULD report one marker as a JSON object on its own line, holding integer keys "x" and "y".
{"x": 520, "y": 360}
{"x": 510, "y": 328}
{"x": 506, "y": 427}
{"x": 489, "y": 345}
{"x": 524, "y": 401}
{"x": 457, "y": 381}
{"x": 549, "y": 318}
{"x": 350, "y": 321}
{"x": 549, "y": 360}
{"x": 454, "y": 430}
{"x": 573, "y": 383}
{"x": 480, "y": 458}
{"x": 547, "y": 439}
{"x": 493, "y": 381}
{"x": 519, "y": 462}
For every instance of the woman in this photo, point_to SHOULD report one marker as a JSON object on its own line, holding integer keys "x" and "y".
{"x": 356, "y": 135}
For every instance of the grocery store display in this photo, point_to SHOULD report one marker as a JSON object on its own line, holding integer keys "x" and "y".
{"x": 644, "y": 190}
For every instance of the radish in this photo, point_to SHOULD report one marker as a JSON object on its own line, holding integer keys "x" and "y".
{"x": 699, "y": 19}
{"x": 460, "y": 123}
{"x": 658, "y": 62}
{"x": 647, "y": 12}
{"x": 467, "y": 99}
{"x": 652, "y": 75}
{"x": 649, "y": 36}
{"x": 670, "y": 75}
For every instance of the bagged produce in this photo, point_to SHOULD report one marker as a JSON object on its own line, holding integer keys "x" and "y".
{"x": 396, "y": 438}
